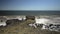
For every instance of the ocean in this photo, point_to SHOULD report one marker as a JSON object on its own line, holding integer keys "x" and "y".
{"x": 29, "y": 12}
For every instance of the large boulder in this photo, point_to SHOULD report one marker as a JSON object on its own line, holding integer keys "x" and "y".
{"x": 12, "y": 21}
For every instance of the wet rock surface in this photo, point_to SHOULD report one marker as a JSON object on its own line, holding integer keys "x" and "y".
{"x": 23, "y": 28}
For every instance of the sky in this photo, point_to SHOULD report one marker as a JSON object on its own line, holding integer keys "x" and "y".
{"x": 29, "y": 4}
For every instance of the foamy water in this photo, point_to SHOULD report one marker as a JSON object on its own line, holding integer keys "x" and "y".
{"x": 3, "y": 24}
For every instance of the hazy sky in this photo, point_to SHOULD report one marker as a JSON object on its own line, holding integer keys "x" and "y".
{"x": 29, "y": 4}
